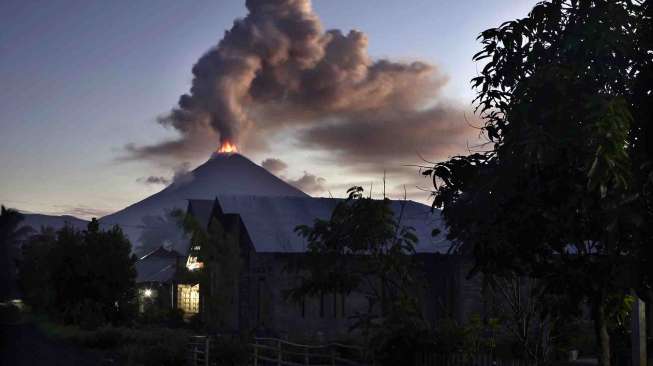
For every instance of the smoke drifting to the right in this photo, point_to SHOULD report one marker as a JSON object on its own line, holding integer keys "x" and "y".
{"x": 278, "y": 69}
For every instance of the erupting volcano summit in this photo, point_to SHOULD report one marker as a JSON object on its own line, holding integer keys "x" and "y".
{"x": 226, "y": 173}
{"x": 227, "y": 147}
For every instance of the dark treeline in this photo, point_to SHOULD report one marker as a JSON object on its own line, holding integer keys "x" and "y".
{"x": 80, "y": 277}
{"x": 562, "y": 191}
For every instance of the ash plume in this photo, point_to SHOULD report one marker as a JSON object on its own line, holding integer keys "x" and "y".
{"x": 154, "y": 179}
{"x": 274, "y": 165}
{"x": 181, "y": 174}
{"x": 309, "y": 183}
{"x": 277, "y": 68}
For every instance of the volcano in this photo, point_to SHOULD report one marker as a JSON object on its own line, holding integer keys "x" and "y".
{"x": 223, "y": 174}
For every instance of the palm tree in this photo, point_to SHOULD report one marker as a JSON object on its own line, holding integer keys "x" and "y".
{"x": 10, "y": 233}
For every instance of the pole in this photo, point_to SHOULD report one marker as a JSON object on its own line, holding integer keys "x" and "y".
{"x": 638, "y": 327}
{"x": 207, "y": 345}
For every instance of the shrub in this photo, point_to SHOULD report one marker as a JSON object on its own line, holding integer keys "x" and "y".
{"x": 157, "y": 346}
{"x": 9, "y": 313}
{"x": 229, "y": 352}
{"x": 147, "y": 346}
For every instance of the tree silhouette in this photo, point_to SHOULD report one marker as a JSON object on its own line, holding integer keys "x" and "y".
{"x": 565, "y": 95}
{"x": 364, "y": 249}
{"x": 10, "y": 233}
{"x": 80, "y": 277}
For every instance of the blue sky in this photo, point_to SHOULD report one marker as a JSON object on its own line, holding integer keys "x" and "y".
{"x": 80, "y": 79}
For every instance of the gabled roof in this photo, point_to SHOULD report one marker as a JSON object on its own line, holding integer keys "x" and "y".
{"x": 271, "y": 221}
{"x": 202, "y": 211}
{"x": 161, "y": 252}
{"x": 159, "y": 265}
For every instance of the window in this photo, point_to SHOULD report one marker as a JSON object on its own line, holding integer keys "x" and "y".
{"x": 188, "y": 298}
{"x": 192, "y": 263}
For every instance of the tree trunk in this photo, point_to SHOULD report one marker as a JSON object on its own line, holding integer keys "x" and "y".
{"x": 601, "y": 332}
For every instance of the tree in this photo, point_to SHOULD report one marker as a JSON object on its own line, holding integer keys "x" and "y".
{"x": 364, "y": 249}
{"x": 81, "y": 277}
{"x": 10, "y": 233}
{"x": 35, "y": 271}
{"x": 565, "y": 97}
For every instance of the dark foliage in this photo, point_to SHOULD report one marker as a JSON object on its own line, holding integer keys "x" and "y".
{"x": 229, "y": 351}
{"x": 81, "y": 277}
{"x": 10, "y": 233}
{"x": 364, "y": 249}
{"x": 146, "y": 346}
{"x": 563, "y": 192}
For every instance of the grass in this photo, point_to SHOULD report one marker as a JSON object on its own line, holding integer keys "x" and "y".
{"x": 131, "y": 346}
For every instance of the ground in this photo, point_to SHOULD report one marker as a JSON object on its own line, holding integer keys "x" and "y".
{"x": 23, "y": 344}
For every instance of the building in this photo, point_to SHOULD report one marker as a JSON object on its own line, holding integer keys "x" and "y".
{"x": 261, "y": 233}
{"x": 155, "y": 279}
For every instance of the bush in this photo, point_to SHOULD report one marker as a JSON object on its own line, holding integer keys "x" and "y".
{"x": 84, "y": 278}
{"x": 147, "y": 346}
{"x": 107, "y": 338}
{"x": 156, "y": 347}
{"x": 9, "y": 313}
{"x": 171, "y": 318}
{"x": 229, "y": 352}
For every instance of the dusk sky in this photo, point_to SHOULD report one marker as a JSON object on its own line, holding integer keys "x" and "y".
{"x": 83, "y": 83}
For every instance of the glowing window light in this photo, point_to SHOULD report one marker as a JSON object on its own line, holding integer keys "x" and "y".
{"x": 147, "y": 293}
{"x": 188, "y": 298}
{"x": 192, "y": 263}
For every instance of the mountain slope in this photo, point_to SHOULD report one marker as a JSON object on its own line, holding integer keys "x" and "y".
{"x": 222, "y": 174}
{"x": 38, "y": 221}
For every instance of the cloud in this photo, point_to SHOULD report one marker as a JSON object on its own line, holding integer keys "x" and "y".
{"x": 376, "y": 142}
{"x": 309, "y": 183}
{"x": 181, "y": 174}
{"x": 154, "y": 180}
{"x": 274, "y": 166}
{"x": 277, "y": 69}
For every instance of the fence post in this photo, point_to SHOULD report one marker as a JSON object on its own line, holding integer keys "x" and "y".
{"x": 333, "y": 355}
{"x": 278, "y": 352}
{"x": 207, "y": 345}
{"x": 306, "y": 360}
{"x": 255, "y": 352}
{"x": 194, "y": 355}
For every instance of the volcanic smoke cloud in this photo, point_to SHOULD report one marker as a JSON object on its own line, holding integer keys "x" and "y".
{"x": 277, "y": 68}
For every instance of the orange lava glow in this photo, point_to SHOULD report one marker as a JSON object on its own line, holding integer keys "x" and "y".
{"x": 228, "y": 147}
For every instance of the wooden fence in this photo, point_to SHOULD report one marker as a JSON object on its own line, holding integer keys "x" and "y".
{"x": 437, "y": 359}
{"x": 277, "y": 352}
{"x": 197, "y": 351}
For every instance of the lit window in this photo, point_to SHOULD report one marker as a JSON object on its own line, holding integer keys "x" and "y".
{"x": 192, "y": 263}
{"x": 188, "y": 298}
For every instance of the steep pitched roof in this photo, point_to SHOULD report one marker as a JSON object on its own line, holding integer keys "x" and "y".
{"x": 202, "y": 210}
{"x": 271, "y": 221}
{"x": 161, "y": 252}
{"x": 159, "y": 265}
